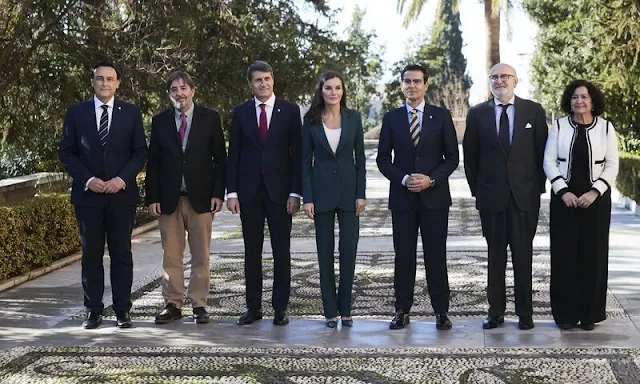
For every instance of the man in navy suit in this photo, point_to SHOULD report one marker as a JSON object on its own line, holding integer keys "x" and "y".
{"x": 185, "y": 188}
{"x": 264, "y": 172}
{"x": 425, "y": 153}
{"x": 103, "y": 148}
{"x": 503, "y": 155}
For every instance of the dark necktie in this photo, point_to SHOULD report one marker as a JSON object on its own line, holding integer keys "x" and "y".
{"x": 183, "y": 128}
{"x": 103, "y": 130}
{"x": 503, "y": 134}
{"x": 263, "y": 122}
{"x": 414, "y": 128}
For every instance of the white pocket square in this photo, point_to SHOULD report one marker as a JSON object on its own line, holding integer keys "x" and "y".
{"x": 528, "y": 126}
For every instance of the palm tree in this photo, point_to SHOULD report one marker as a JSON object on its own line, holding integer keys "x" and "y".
{"x": 492, "y": 10}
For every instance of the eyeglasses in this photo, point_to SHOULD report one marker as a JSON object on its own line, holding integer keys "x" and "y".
{"x": 503, "y": 77}
{"x": 414, "y": 81}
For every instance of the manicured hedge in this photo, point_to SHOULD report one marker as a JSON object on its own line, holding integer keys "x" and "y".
{"x": 36, "y": 233}
{"x": 628, "y": 181}
{"x": 41, "y": 230}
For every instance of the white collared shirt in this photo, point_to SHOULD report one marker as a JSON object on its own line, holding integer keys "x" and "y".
{"x": 420, "y": 109}
{"x": 269, "y": 108}
{"x": 270, "y": 103}
{"x": 510, "y": 113}
{"x": 98, "y": 107}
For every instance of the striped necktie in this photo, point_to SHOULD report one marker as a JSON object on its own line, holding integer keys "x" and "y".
{"x": 414, "y": 127}
{"x": 103, "y": 131}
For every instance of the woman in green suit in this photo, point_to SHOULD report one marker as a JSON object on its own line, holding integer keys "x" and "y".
{"x": 333, "y": 183}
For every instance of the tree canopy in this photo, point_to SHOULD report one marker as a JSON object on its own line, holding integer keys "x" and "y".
{"x": 47, "y": 48}
{"x": 593, "y": 40}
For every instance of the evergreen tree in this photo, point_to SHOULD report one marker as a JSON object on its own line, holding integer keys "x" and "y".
{"x": 446, "y": 66}
{"x": 596, "y": 41}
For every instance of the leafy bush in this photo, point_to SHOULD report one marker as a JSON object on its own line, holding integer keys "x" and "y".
{"x": 36, "y": 233}
{"x": 628, "y": 181}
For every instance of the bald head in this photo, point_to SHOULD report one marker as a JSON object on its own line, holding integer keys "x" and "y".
{"x": 503, "y": 80}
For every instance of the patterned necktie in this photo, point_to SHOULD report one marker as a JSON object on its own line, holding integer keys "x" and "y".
{"x": 183, "y": 128}
{"x": 503, "y": 134}
{"x": 103, "y": 130}
{"x": 263, "y": 122}
{"x": 414, "y": 127}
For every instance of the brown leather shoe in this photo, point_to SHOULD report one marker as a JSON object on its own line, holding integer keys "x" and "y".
{"x": 200, "y": 315}
{"x": 169, "y": 313}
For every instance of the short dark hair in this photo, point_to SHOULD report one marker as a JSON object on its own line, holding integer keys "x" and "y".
{"x": 258, "y": 65}
{"x": 105, "y": 64}
{"x": 180, "y": 75}
{"x": 597, "y": 97}
{"x": 314, "y": 114}
{"x": 414, "y": 67}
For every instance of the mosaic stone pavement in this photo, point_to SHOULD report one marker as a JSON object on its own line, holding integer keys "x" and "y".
{"x": 372, "y": 292}
{"x": 376, "y": 221}
{"x": 319, "y": 365}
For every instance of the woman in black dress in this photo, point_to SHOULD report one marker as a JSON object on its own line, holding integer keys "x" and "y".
{"x": 581, "y": 161}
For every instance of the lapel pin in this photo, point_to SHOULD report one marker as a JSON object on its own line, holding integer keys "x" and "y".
{"x": 119, "y": 108}
{"x": 278, "y": 109}
{"x": 431, "y": 117}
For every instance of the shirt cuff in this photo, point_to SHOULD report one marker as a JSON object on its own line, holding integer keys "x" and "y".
{"x": 86, "y": 186}
{"x": 232, "y": 195}
{"x": 404, "y": 180}
{"x": 295, "y": 195}
{"x": 125, "y": 184}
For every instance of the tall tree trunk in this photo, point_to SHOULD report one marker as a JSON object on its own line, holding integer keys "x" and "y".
{"x": 492, "y": 22}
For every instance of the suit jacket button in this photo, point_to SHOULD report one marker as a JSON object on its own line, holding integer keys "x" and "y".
{"x": 335, "y": 171}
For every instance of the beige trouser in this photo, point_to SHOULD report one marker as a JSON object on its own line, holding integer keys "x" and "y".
{"x": 172, "y": 231}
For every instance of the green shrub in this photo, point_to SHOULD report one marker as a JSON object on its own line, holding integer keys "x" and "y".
{"x": 628, "y": 181}
{"x": 36, "y": 233}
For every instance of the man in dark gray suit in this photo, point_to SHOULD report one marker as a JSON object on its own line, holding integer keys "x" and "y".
{"x": 503, "y": 150}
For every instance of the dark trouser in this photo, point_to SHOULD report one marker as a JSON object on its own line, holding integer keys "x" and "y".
{"x": 252, "y": 216}
{"x": 579, "y": 260}
{"x": 516, "y": 229}
{"x": 348, "y": 246}
{"x": 117, "y": 223}
{"x": 433, "y": 224}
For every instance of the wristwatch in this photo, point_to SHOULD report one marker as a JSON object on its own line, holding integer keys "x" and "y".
{"x": 432, "y": 183}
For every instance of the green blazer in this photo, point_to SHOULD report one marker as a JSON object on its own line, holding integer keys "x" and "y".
{"x": 329, "y": 180}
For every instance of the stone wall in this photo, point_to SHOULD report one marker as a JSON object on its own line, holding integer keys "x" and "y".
{"x": 16, "y": 189}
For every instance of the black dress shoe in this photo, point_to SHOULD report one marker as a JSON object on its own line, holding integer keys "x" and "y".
{"x": 280, "y": 318}
{"x": 347, "y": 323}
{"x": 525, "y": 323}
{"x": 250, "y": 316}
{"x": 442, "y": 321}
{"x": 566, "y": 326}
{"x": 200, "y": 315}
{"x": 587, "y": 326}
{"x": 169, "y": 314}
{"x": 123, "y": 320}
{"x": 93, "y": 320}
{"x": 331, "y": 323}
{"x": 492, "y": 322}
{"x": 400, "y": 319}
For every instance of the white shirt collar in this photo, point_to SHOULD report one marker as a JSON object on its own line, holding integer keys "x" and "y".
{"x": 270, "y": 101}
{"x": 511, "y": 101}
{"x": 420, "y": 107}
{"x": 98, "y": 104}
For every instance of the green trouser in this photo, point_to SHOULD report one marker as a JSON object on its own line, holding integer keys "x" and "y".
{"x": 349, "y": 225}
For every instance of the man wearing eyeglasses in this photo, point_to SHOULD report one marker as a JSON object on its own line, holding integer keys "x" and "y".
{"x": 425, "y": 153}
{"x": 503, "y": 150}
